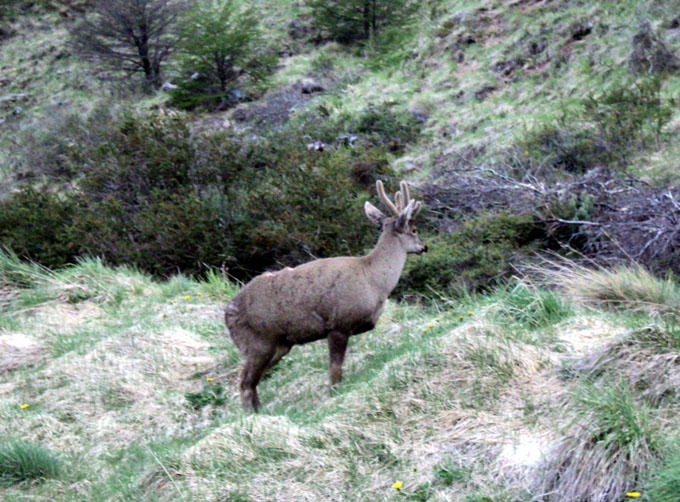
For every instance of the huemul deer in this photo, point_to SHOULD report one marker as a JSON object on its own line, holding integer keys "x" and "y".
{"x": 332, "y": 298}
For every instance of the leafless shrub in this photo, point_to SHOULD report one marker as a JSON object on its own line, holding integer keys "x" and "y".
{"x": 133, "y": 36}
{"x": 608, "y": 217}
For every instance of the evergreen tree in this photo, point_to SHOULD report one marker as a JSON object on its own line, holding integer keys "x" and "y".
{"x": 221, "y": 46}
{"x": 350, "y": 20}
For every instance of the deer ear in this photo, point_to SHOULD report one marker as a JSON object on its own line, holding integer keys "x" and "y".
{"x": 374, "y": 214}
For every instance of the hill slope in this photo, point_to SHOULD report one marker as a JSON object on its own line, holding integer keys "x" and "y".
{"x": 482, "y": 400}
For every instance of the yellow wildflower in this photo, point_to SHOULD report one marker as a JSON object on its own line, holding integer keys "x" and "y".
{"x": 431, "y": 325}
{"x": 633, "y": 494}
{"x": 397, "y": 485}
{"x": 469, "y": 312}
{"x": 424, "y": 330}
{"x": 24, "y": 406}
{"x": 186, "y": 297}
{"x": 436, "y": 319}
{"x": 460, "y": 317}
{"x": 209, "y": 379}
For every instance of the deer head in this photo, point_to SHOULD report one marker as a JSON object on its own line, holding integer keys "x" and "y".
{"x": 400, "y": 224}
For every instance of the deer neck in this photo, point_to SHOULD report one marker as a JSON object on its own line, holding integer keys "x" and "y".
{"x": 385, "y": 262}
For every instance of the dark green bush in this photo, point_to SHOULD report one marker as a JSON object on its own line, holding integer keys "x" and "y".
{"x": 62, "y": 143}
{"x": 35, "y": 224}
{"x": 629, "y": 116}
{"x": 159, "y": 197}
{"x": 564, "y": 147}
{"x": 309, "y": 204}
{"x": 473, "y": 258}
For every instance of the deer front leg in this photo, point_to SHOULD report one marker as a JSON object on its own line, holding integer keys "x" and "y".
{"x": 337, "y": 345}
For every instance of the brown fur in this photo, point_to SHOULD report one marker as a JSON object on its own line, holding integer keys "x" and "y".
{"x": 331, "y": 298}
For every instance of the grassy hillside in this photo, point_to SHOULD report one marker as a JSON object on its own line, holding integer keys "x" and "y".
{"x": 130, "y": 386}
{"x": 525, "y": 125}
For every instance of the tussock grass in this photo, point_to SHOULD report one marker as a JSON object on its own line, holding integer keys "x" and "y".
{"x": 31, "y": 284}
{"x": 22, "y": 462}
{"x": 611, "y": 441}
{"x": 631, "y": 288}
{"x": 648, "y": 358}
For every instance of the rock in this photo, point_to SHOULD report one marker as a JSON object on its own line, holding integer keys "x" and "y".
{"x": 11, "y": 98}
{"x": 168, "y": 86}
{"x": 419, "y": 113}
{"x": 237, "y": 95}
{"x": 347, "y": 139}
{"x": 318, "y": 146}
{"x": 310, "y": 86}
{"x": 649, "y": 54}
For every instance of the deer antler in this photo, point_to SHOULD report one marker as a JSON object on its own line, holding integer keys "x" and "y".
{"x": 402, "y": 200}
{"x": 385, "y": 199}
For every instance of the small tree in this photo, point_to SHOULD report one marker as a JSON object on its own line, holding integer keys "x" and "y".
{"x": 134, "y": 36}
{"x": 221, "y": 44}
{"x": 350, "y": 20}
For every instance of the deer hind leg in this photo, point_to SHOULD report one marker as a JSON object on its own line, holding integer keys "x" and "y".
{"x": 337, "y": 345}
{"x": 253, "y": 368}
{"x": 281, "y": 350}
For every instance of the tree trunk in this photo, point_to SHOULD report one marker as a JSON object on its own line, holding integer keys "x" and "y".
{"x": 367, "y": 19}
{"x": 374, "y": 17}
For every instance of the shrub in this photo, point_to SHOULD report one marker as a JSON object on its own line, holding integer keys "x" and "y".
{"x": 166, "y": 201}
{"x": 309, "y": 204}
{"x": 474, "y": 257}
{"x": 35, "y": 224}
{"x": 62, "y": 144}
{"x": 211, "y": 394}
{"x": 22, "y": 462}
{"x": 629, "y": 117}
